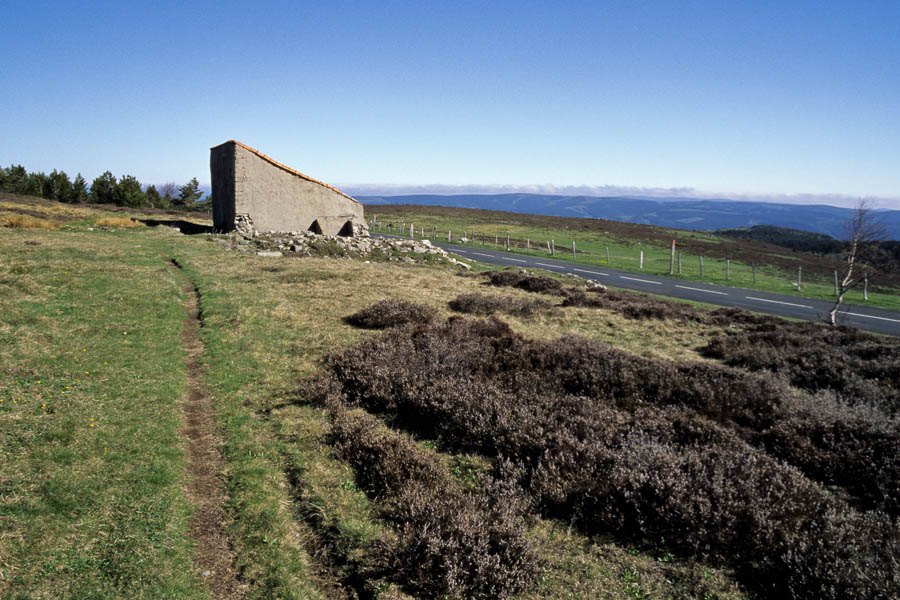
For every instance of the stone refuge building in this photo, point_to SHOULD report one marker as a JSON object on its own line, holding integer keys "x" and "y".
{"x": 251, "y": 190}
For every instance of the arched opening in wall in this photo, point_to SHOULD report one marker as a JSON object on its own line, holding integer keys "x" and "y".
{"x": 316, "y": 228}
{"x": 347, "y": 229}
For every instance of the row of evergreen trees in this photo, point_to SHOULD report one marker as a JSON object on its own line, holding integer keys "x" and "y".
{"x": 105, "y": 189}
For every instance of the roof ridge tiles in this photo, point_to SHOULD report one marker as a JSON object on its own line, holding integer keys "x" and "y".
{"x": 287, "y": 168}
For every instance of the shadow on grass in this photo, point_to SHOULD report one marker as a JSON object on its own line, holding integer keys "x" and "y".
{"x": 185, "y": 227}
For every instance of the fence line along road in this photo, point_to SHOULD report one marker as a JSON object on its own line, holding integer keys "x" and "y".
{"x": 878, "y": 320}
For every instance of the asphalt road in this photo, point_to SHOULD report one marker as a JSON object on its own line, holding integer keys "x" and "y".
{"x": 870, "y": 319}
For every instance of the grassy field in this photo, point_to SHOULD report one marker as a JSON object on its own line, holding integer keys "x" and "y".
{"x": 92, "y": 475}
{"x": 726, "y": 261}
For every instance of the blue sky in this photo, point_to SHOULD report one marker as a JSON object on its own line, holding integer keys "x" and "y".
{"x": 788, "y": 100}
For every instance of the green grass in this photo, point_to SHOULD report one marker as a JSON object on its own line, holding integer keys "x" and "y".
{"x": 92, "y": 468}
{"x": 591, "y": 249}
{"x": 99, "y": 512}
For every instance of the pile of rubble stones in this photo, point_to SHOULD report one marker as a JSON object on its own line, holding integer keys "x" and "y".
{"x": 360, "y": 246}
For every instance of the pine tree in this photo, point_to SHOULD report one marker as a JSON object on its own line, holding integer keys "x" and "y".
{"x": 79, "y": 190}
{"x": 189, "y": 193}
{"x": 153, "y": 197}
{"x": 129, "y": 193}
{"x": 103, "y": 189}
{"x": 15, "y": 180}
{"x": 60, "y": 188}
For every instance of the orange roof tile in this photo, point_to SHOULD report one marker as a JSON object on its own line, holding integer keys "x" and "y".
{"x": 286, "y": 168}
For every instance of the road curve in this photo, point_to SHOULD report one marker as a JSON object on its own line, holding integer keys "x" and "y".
{"x": 878, "y": 320}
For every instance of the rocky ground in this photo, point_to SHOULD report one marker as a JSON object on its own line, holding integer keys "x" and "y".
{"x": 359, "y": 246}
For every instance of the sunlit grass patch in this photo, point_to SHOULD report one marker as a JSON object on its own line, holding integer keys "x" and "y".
{"x": 118, "y": 223}
{"x": 19, "y": 221}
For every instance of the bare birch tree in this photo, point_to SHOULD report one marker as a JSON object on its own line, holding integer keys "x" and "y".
{"x": 862, "y": 230}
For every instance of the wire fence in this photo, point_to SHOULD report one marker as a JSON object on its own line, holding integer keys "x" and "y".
{"x": 635, "y": 259}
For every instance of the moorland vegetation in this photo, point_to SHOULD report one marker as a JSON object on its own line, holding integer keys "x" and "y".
{"x": 399, "y": 430}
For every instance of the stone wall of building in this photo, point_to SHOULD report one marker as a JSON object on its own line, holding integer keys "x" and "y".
{"x": 275, "y": 197}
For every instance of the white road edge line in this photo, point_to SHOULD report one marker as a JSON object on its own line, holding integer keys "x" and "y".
{"x": 550, "y": 266}
{"x": 684, "y": 287}
{"x": 515, "y": 259}
{"x": 871, "y": 317}
{"x": 779, "y": 302}
{"x": 641, "y": 280}
{"x": 591, "y": 272}
{"x": 482, "y": 254}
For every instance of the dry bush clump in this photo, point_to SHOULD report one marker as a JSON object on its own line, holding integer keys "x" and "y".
{"x": 645, "y": 448}
{"x": 860, "y": 368}
{"x": 857, "y": 448}
{"x": 482, "y": 305}
{"x": 523, "y": 281}
{"x": 391, "y": 313}
{"x": 26, "y": 222}
{"x": 117, "y": 223}
{"x": 633, "y": 306}
{"x": 452, "y": 543}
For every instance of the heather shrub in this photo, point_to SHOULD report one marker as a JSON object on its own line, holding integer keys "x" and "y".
{"x": 481, "y": 305}
{"x": 857, "y": 448}
{"x": 461, "y": 546}
{"x": 731, "y": 316}
{"x": 391, "y": 313}
{"x": 451, "y": 543}
{"x": 383, "y": 460}
{"x": 861, "y": 369}
{"x": 523, "y": 281}
{"x": 642, "y": 447}
{"x": 632, "y": 306}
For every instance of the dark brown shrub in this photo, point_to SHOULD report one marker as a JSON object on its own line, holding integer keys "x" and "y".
{"x": 452, "y": 543}
{"x": 458, "y": 545}
{"x": 861, "y": 369}
{"x": 523, "y": 281}
{"x": 391, "y": 313}
{"x": 612, "y": 441}
{"x": 633, "y": 305}
{"x": 481, "y": 305}
{"x": 384, "y": 461}
{"x": 852, "y": 447}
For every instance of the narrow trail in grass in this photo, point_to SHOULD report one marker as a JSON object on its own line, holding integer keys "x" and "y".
{"x": 213, "y": 553}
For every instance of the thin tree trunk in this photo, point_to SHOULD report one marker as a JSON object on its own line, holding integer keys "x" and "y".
{"x": 845, "y": 284}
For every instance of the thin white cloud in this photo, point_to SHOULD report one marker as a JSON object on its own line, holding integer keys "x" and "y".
{"x": 843, "y": 200}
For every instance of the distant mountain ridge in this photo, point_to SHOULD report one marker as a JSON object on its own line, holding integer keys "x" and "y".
{"x": 680, "y": 213}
